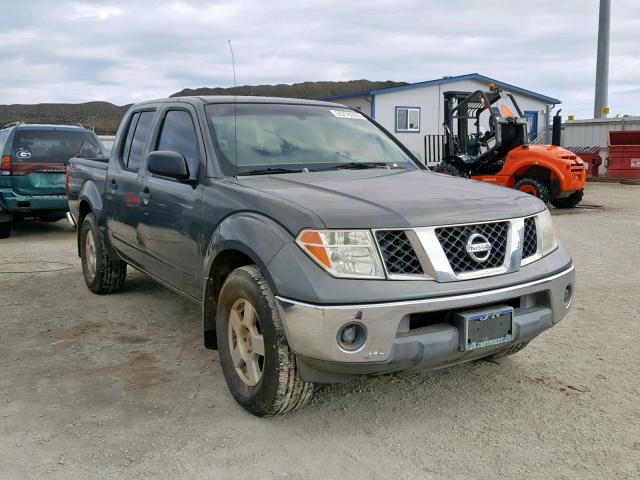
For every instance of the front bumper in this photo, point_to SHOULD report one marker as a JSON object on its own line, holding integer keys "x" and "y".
{"x": 392, "y": 345}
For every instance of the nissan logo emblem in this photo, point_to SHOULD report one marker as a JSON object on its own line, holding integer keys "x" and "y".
{"x": 478, "y": 247}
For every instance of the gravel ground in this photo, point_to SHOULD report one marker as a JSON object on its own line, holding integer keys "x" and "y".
{"x": 121, "y": 387}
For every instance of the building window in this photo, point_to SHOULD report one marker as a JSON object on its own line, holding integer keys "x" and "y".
{"x": 407, "y": 119}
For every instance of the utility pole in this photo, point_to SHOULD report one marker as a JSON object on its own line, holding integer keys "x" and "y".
{"x": 601, "y": 109}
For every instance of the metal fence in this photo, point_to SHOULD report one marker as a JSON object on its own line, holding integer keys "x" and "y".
{"x": 433, "y": 149}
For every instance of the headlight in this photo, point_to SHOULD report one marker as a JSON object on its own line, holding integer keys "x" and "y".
{"x": 549, "y": 241}
{"x": 343, "y": 253}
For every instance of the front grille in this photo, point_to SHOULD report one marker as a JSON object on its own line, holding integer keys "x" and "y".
{"x": 530, "y": 244}
{"x": 399, "y": 256}
{"x": 454, "y": 243}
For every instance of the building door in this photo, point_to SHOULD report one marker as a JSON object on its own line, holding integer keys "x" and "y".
{"x": 532, "y": 124}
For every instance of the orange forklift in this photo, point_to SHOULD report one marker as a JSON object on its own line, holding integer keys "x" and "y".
{"x": 502, "y": 155}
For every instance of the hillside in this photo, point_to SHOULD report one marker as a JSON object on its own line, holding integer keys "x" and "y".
{"x": 309, "y": 90}
{"x": 105, "y": 117}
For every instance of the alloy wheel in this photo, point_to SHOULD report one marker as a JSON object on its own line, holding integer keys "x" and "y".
{"x": 90, "y": 255}
{"x": 246, "y": 342}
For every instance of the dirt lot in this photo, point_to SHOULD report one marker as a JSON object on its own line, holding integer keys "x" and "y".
{"x": 121, "y": 387}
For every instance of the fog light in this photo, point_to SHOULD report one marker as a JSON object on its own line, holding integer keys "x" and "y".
{"x": 568, "y": 296}
{"x": 352, "y": 336}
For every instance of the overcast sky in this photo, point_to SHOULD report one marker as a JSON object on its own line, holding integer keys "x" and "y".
{"x": 126, "y": 51}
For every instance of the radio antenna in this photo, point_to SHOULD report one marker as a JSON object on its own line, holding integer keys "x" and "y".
{"x": 235, "y": 108}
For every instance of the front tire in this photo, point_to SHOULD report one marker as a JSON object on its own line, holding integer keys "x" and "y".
{"x": 508, "y": 351}
{"x": 534, "y": 187}
{"x": 102, "y": 273}
{"x": 449, "y": 169}
{"x": 5, "y": 230}
{"x": 571, "y": 201}
{"x": 258, "y": 366}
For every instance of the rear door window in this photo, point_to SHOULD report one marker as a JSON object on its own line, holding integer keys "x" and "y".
{"x": 139, "y": 128}
{"x": 46, "y": 146}
{"x": 90, "y": 147}
{"x": 179, "y": 135}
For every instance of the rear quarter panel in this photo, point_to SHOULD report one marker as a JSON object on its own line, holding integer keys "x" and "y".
{"x": 87, "y": 178}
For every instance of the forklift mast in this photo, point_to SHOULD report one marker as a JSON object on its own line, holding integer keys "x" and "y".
{"x": 464, "y": 107}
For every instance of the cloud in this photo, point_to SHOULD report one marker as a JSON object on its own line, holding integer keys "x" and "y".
{"x": 93, "y": 11}
{"x": 125, "y": 51}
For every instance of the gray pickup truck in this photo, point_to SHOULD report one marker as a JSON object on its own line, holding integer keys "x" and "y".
{"x": 318, "y": 247}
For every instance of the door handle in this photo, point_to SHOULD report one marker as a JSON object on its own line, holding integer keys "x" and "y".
{"x": 146, "y": 195}
{"x": 114, "y": 185}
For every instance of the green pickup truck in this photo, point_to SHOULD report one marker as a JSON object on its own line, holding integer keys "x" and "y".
{"x": 33, "y": 161}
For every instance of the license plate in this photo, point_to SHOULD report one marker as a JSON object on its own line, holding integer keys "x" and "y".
{"x": 485, "y": 327}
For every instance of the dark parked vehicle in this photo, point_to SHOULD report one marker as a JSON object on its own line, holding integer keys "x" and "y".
{"x": 32, "y": 169}
{"x": 318, "y": 247}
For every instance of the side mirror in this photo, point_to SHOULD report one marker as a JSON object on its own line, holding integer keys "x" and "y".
{"x": 168, "y": 164}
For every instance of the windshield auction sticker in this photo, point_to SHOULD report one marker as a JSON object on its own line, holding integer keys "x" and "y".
{"x": 346, "y": 114}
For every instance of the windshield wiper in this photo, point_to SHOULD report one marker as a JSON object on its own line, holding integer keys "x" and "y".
{"x": 362, "y": 166}
{"x": 265, "y": 171}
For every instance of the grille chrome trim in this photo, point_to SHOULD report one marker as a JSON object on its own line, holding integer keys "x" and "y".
{"x": 435, "y": 263}
{"x": 441, "y": 269}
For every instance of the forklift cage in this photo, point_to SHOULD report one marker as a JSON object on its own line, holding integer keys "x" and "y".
{"x": 469, "y": 106}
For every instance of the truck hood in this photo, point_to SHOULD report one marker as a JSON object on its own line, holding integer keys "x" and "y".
{"x": 378, "y": 198}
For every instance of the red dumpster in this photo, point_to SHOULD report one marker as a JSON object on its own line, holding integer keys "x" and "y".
{"x": 624, "y": 154}
{"x": 591, "y": 158}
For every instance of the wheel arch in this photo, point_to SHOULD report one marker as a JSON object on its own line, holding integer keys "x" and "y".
{"x": 541, "y": 170}
{"x": 90, "y": 201}
{"x": 240, "y": 240}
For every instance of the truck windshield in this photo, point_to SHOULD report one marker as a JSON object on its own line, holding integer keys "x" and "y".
{"x": 52, "y": 146}
{"x": 277, "y": 138}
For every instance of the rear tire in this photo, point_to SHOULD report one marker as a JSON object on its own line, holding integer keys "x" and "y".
{"x": 450, "y": 169}
{"x": 102, "y": 273}
{"x": 534, "y": 187}
{"x": 508, "y": 351}
{"x": 258, "y": 366}
{"x": 5, "y": 230}
{"x": 568, "y": 202}
{"x": 51, "y": 218}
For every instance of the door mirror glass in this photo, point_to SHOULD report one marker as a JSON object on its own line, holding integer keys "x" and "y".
{"x": 168, "y": 164}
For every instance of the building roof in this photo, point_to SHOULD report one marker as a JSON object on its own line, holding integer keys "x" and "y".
{"x": 444, "y": 80}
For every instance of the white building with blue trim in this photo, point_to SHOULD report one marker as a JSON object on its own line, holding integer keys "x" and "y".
{"x": 414, "y": 112}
